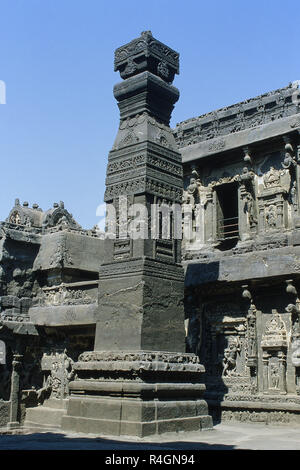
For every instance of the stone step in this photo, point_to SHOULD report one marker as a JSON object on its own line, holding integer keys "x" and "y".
{"x": 44, "y": 417}
{"x": 31, "y": 427}
{"x": 56, "y": 404}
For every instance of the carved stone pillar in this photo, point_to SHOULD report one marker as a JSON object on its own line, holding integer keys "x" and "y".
{"x": 15, "y": 391}
{"x": 138, "y": 380}
{"x": 210, "y": 222}
{"x": 280, "y": 215}
{"x": 265, "y": 361}
{"x": 261, "y": 217}
{"x": 244, "y": 223}
{"x": 282, "y": 372}
{"x": 252, "y": 338}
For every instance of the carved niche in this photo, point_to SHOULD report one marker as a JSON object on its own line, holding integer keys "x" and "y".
{"x": 225, "y": 349}
{"x": 273, "y": 200}
{"x": 274, "y": 346}
{"x": 15, "y": 218}
{"x": 62, "y": 295}
{"x": 58, "y": 368}
{"x": 251, "y": 337}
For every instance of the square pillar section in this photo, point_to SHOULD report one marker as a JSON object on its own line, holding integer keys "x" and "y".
{"x": 138, "y": 380}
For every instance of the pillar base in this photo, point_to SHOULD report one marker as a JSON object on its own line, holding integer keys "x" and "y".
{"x": 137, "y": 394}
{"x": 116, "y": 417}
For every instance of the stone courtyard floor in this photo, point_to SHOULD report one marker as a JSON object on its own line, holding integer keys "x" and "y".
{"x": 224, "y": 436}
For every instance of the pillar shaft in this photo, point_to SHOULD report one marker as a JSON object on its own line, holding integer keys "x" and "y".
{"x": 138, "y": 380}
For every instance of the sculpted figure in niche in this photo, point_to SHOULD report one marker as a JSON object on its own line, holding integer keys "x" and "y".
{"x": 274, "y": 376}
{"x": 288, "y": 161}
{"x": 230, "y": 357}
{"x": 191, "y": 199}
{"x": 271, "y": 216}
{"x": 15, "y": 218}
{"x": 191, "y": 192}
{"x": 272, "y": 178}
{"x": 249, "y": 208}
{"x": 293, "y": 195}
{"x": 275, "y": 325}
{"x": 57, "y": 383}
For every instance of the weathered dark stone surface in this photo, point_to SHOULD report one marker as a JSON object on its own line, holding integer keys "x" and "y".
{"x": 48, "y": 298}
{"x": 140, "y": 280}
{"x": 141, "y": 291}
{"x": 95, "y": 328}
{"x": 241, "y": 171}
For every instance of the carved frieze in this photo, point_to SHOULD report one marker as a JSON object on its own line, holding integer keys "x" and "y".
{"x": 118, "y": 166}
{"x": 141, "y": 185}
{"x": 64, "y": 295}
{"x": 139, "y": 361}
{"x": 245, "y": 115}
{"x": 217, "y": 145}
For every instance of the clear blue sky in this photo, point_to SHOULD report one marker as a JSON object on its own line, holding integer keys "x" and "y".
{"x": 56, "y": 58}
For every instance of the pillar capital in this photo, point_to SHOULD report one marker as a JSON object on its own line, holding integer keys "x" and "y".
{"x": 146, "y": 53}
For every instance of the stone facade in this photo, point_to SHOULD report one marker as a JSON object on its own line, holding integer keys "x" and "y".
{"x": 139, "y": 380}
{"x": 92, "y": 327}
{"x": 241, "y": 173}
{"x": 49, "y": 286}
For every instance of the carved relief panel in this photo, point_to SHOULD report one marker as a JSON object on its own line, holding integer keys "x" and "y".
{"x": 225, "y": 349}
{"x": 274, "y": 346}
{"x": 273, "y": 195}
{"x": 59, "y": 369}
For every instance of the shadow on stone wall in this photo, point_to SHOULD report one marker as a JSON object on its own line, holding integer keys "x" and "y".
{"x": 200, "y": 339}
{"x": 200, "y": 273}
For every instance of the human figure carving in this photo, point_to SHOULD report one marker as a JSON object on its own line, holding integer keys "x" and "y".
{"x": 271, "y": 216}
{"x": 272, "y": 177}
{"x": 229, "y": 360}
{"x": 274, "y": 376}
{"x": 190, "y": 193}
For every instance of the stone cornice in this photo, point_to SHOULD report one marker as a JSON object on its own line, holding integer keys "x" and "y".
{"x": 241, "y": 138}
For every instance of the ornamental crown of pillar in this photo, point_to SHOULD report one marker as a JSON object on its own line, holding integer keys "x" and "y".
{"x": 146, "y": 53}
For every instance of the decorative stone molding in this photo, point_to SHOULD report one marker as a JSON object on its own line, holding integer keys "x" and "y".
{"x": 238, "y": 117}
{"x": 149, "y": 360}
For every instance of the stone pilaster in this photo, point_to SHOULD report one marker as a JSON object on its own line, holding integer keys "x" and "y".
{"x": 15, "y": 391}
